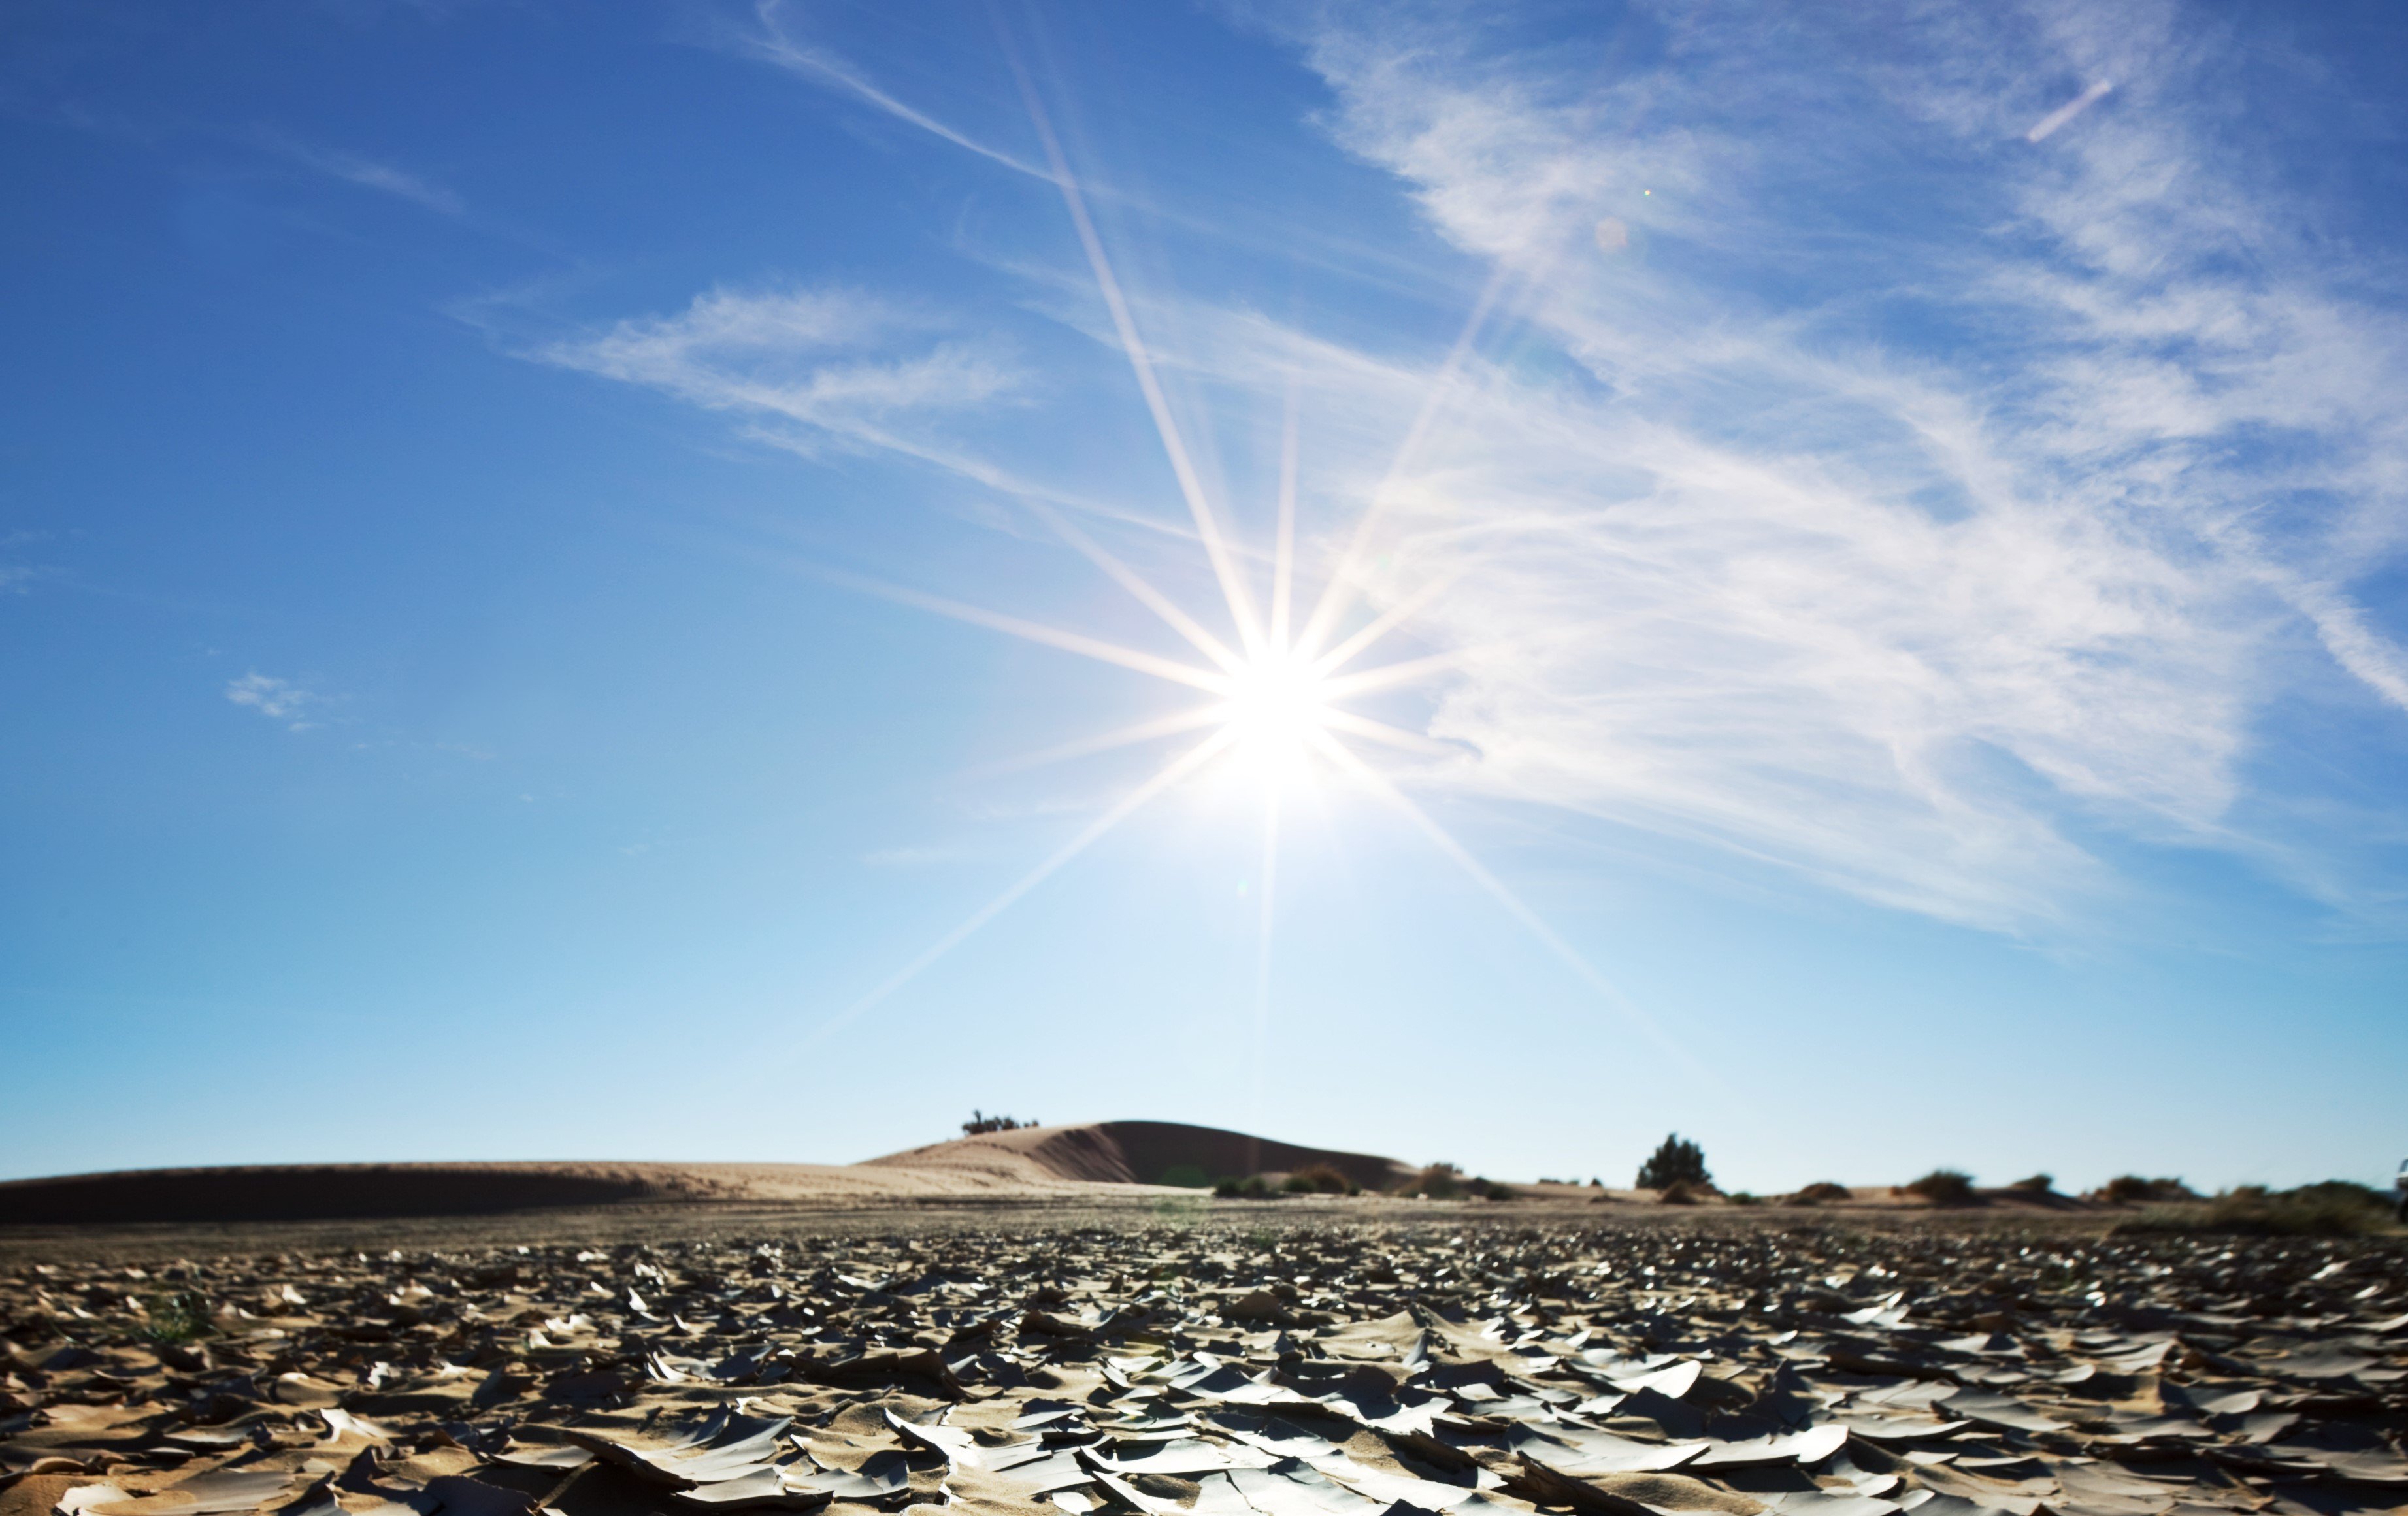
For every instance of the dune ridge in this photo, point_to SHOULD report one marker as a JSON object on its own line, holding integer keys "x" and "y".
{"x": 1035, "y": 1163}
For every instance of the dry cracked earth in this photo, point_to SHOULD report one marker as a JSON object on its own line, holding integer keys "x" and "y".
{"x": 1342, "y": 1371}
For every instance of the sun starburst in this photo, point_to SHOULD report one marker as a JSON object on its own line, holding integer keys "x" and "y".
{"x": 1278, "y": 690}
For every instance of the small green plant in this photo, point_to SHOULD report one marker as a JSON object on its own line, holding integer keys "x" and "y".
{"x": 1253, "y": 1187}
{"x": 1820, "y": 1192}
{"x": 182, "y": 1316}
{"x": 1944, "y": 1187}
{"x": 1740, "y": 1197}
{"x": 1318, "y": 1179}
{"x": 1677, "y": 1162}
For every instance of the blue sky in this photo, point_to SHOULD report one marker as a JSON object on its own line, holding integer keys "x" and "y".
{"x": 559, "y": 564}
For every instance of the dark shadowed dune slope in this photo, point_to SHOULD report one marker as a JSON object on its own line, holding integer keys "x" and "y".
{"x": 286, "y": 1193}
{"x": 1150, "y": 1152}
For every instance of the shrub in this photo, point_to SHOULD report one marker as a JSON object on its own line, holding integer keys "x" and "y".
{"x": 1487, "y": 1189}
{"x": 2036, "y": 1184}
{"x": 2335, "y": 1208}
{"x": 1254, "y": 1187}
{"x": 980, "y": 1124}
{"x": 1439, "y": 1181}
{"x": 1318, "y": 1179}
{"x": 1683, "y": 1192}
{"x": 1677, "y": 1162}
{"x": 1741, "y": 1197}
{"x": 2132, "y": 1190}
{"x": 1944, "y": 1187}
{"x": 1821, "y": 1191}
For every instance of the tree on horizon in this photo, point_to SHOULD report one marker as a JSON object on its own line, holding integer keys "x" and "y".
{"x": 1677, "y": 1162}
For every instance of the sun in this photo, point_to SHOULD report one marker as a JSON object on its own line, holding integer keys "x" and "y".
{"x": 1278, "y": 712}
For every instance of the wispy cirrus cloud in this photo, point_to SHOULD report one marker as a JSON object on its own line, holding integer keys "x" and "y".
{"x": 820, "y": 358}
{"x": 366, "y": 173}
{"x": 1907, "y": 615}
{"x": 772, "y": 39}
{"x": 278, "y": 699}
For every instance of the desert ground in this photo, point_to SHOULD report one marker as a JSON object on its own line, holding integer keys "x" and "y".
{"x": 1019, "y": 1324}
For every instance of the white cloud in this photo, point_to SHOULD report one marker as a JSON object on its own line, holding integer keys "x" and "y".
{"x": 792, "y": 356}
{"x": 775, "y": 43}
{"x": 367, "y": 173}
{"x": 277, "y": 699}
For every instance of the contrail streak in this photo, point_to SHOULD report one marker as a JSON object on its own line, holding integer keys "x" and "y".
{"x": 2066, "y": 111}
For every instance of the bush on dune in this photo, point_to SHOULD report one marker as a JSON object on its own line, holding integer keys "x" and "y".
{"x": 1318, "y": 1178}
{"x": 2132, "y": 1190}
{"x": 1438, "y": 1181}
{"x": 1253, "y": 1187}
{"x": 2335, "y": 1208}
{"x": 1820, "y": 1192}
{"x": 1944, "y": 1187}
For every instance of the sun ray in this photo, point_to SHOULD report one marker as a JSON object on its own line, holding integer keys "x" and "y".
{"x": 1283, "y": 543}
{"x": 1395, "y": 736}
{"x": 1168, "y": 775}
{"x": 1339, "y": 754}
{"x": 1109, "y": 653}
{"x": 1340, "y": 587}
{"x": 1123, "y": 736}
{"x": 1388, "y": 676}
{"x": 1129, "y": 580}
{"x": 1264, "y": 918}
{"x": 1191, "y": 488}
{"x": 1387, "y": 622}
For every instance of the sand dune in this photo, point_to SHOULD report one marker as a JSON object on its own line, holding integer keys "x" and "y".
{"x": 1036, "y": 1163}
{"x": 1145, "y": 1152}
